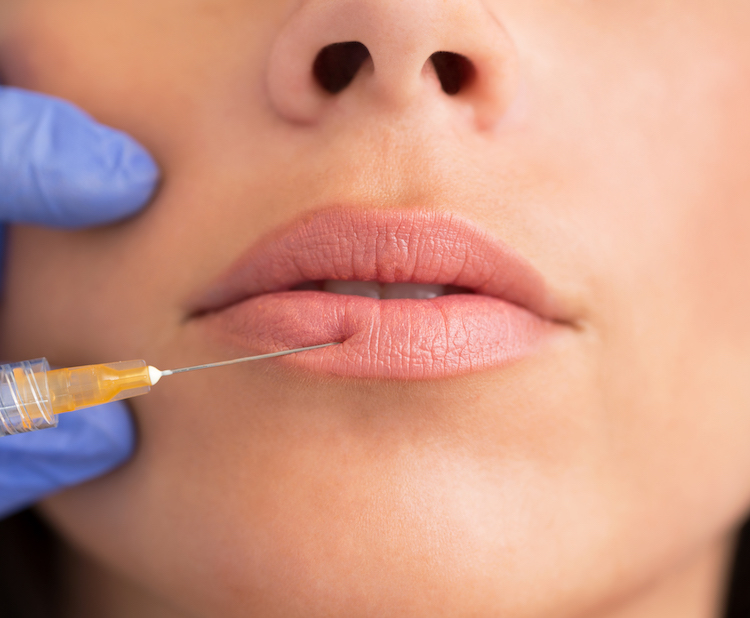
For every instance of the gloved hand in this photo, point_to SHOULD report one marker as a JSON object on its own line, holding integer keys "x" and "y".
{"x": 58, "y": 167}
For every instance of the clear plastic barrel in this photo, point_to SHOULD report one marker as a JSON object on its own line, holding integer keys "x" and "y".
{"x": 24, "y": 398}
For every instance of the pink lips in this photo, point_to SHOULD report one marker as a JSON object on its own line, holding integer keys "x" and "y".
{"x": 506, "y": 317}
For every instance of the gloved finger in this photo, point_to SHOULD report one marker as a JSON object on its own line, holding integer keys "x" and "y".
{"x": 86, "y": 444}
{"x": 58, "y": 167}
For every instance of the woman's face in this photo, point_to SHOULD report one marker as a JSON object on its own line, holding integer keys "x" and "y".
{"x": 573, "y": 431}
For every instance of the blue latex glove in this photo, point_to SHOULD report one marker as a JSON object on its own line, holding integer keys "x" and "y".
{"x": 60, "y": 168}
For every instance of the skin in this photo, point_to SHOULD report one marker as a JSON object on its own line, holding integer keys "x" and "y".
{"x": 602, "y": 477}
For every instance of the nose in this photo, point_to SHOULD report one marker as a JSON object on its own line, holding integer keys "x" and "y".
{"x": 368, "y": 56}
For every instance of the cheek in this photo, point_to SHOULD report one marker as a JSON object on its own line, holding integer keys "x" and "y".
{"x": 655, "y": 205}
{"x": 93, "y": 298}
{"x": 159, "y": 57}
{"x": 673, "y": 248}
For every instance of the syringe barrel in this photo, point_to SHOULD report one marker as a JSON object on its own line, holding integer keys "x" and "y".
{"x": 92, "y": 385}
{"x": 32, "y": 396}
{"x": 24, "y": 398}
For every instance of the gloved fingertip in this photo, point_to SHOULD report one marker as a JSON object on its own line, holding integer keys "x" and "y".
{"x": 60, "y": 167}
{"x": 113, "y": 178}
{"x": 129, "y": 175}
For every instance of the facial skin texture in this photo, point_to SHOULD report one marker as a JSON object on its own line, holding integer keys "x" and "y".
{"x": 600, "y": 477}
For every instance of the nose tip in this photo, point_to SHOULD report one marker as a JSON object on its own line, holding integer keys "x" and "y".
{"x": 396, "y": 54}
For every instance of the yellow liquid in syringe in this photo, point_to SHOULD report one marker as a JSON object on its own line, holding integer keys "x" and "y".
{"x": 43, "y": 394}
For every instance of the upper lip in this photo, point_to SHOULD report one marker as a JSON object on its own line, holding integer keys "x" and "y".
{"x": 385, "y": 246}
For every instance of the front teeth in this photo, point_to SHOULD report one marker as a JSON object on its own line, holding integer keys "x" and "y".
{"x": 385, "y": 291}
{"x": 419, "y": 291}
{"x": 368, "y": 289}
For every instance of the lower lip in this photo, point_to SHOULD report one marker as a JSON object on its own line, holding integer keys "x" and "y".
{"x": 390, "y": 339}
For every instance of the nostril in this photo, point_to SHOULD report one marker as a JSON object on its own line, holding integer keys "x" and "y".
{"x": 337, "y": 64}
{"x": 454, "y": 71}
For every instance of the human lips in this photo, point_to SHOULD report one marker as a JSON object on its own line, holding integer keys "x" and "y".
{"x": 274, "y": 297}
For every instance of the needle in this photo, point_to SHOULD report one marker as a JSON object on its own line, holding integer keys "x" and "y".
{"x": 170, "y": 372}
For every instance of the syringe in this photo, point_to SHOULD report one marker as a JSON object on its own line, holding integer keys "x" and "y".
{"x": 32, "y": 395}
